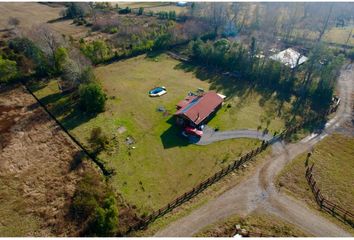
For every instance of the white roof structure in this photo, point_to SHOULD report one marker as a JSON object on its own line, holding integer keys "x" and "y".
{"x": 289, "y": 57}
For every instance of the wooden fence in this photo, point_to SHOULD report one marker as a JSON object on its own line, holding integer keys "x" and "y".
{"x": 219, "y": 175}
{"x": 325, "y": 204}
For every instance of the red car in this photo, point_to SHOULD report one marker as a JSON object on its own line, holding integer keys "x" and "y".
{"x": 193, "y": 131}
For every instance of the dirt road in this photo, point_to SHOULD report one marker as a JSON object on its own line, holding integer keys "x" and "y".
{"x": 258, "y": 191}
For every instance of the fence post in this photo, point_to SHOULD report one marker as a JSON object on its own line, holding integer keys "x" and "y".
{"x": 317, "y": 195}
{"x": 333, "y": 212}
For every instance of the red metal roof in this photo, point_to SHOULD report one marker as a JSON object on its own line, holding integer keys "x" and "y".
{"x": 185, "y": 101}
{"x": 199, "y": 108}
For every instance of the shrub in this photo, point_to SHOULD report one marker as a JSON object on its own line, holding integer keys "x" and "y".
{"x": 98, "y": 140}
{"x": 92, "y": 98}
{"x": 350, "y": 54}
{"x": 8, "y": 70}
{"x": 96, "y": 51}
{"x": 94, "y": 206}
{"x": 105, "y": 221}
{"x": 141, "y": 11}
{"x": 113, "y": 30}
{"x": 125, "y": 10}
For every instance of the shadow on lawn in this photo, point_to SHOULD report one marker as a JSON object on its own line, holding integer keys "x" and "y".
{"x": 172, "y": 137}
{"x": 233, "y": 87}
{"x": 65, "y": 108}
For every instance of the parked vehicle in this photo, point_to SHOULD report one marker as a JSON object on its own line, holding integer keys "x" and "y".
{"x": 192, "y": 131}
{"x": 157, "y": 92}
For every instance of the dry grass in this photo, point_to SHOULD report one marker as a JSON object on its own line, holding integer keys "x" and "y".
{"x": 334, "y": 168}
{"x": 31, "y": 14}
{"x": 333, "y": 171}
{"x": 256, "y": 223}
{"x": 37, "y": 175}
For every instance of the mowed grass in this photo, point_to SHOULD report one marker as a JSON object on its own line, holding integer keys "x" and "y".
{"x": 247, "y": 113}
{"x": 333, "y": 171}
{"x": 266, "y": 224}
{"x": 162, "y": 165}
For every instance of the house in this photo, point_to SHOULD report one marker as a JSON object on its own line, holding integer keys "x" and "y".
{"x": 196, "y": 110}
{"x": 289, "y": 57}
{"x": 181, "y": 4}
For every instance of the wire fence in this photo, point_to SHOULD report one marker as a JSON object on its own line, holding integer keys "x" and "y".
{"x": 102, "y": 167}
{"x": 325, "y": 204}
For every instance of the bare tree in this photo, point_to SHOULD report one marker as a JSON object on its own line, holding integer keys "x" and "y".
{"x": 324, "y": 24}
{"x": 46, "y": 39}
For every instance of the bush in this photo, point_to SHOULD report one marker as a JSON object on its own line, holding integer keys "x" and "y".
{"x": 94, "y": 205}
{"x": 92, "y": 98}
{"x": 75, "y": 10}
{"x": 8, "y": 70}
{"x": 98, "y": 140}
{"x": 96, "y": 51}
{"x": 125, "y": 10}
{"x": 113, "y": 30}
{"x": 350, "y": 54}
{"x": 105, "y": 221}
{"x": 141, "y": 11}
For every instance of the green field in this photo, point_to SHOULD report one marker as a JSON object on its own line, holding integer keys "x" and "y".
{"x": 333, "y": 171}
{"x": 266, "y": 224}
{"x": 162, "y": 164}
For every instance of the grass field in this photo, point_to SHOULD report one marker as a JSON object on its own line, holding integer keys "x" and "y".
{"x": 162, "y": 165}
{"x": 256, "y": 223}
{"x": 31, "y": 14}
{"x": 333, "y": 171}
{"x": 153, "y": 6}
{"x": 335, "y": 35}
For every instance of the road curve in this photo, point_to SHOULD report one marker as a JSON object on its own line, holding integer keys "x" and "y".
{"x": 258, "y": 191}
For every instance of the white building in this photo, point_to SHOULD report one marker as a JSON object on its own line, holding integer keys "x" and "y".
{"x": 289, "y": 57}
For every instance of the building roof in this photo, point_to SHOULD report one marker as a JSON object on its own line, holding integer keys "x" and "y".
{"x": 185, "y": 101}
{"x": 289, "y": 57}
{"x": 199, "y": 108}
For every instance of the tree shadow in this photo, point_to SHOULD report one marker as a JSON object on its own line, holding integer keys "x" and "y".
{"x": 172, "y": 137}
{"x": 64, "y": 107}
{"x": 229, "y": 86}
{"x": 38, "y": 85}
{"x": 239, "y": 87}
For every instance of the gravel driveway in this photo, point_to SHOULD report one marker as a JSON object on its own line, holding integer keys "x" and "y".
{"x": 210, "y": 135}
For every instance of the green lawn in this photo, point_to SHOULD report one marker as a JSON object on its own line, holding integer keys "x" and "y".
{"x": 267, "y": 224}
{"x": 162, "y": 165}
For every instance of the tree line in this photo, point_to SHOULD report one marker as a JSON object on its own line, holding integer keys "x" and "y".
{"x": 314, "y": 80}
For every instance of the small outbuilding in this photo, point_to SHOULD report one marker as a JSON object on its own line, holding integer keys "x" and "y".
{"x": 289, "y": 57}
{"x": 196, "y": 110}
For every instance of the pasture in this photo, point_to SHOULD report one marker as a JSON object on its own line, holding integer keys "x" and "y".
{"x": 32, "y": 14}
{"x": 333, "y": 159}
